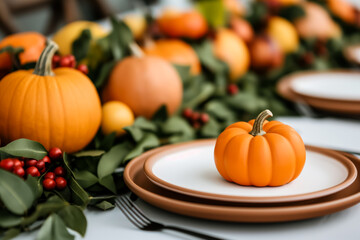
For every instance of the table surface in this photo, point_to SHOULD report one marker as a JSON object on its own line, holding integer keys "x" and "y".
{"x": 325, "y": 132}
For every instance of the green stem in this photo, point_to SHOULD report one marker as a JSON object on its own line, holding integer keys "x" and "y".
{"x": 259, "y": 122}
{"x": 43, "y": 65}
{"x": 136, "y": 50}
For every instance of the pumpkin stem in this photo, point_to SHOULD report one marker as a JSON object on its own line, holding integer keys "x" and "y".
{"x": 259, "y": 122}
{"x": 43, "y": 65}
{"x": 136, "y": 50}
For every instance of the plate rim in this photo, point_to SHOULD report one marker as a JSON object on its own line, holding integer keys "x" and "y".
{"x": 234, "y": 213}
{"x": 149, "y": 162}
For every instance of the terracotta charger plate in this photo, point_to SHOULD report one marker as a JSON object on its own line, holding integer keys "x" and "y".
{"x": 140, "y": 185}
{"x": 334, "y": 91}
{"x": 352, "y": 53}
{"x": 189, "y": 168}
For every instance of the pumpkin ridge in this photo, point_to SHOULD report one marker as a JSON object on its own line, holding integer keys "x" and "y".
{"x": 26, "y": 92}
{"x": 271, "y": 158}
{"x": 36, "y": 83}
{"x": 63, "y": 114}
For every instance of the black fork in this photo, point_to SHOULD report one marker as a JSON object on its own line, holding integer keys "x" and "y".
{"x": 138, "y": 218}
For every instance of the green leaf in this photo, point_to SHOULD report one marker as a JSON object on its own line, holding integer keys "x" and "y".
{"x": 145, "y": 124}
{"x": 74, "y": 218}
{"x": 248, "y": 102}
{"x": 213, "y": 11}
{"x": 160, "y": 115}
{"x": 34, "y": 185}
{"x": 89, "y": 153}
{"x": 8, "y": 220}
{"x": 109, "y": 183}
{"x": 81, "y": 45}
{"x": 112, "y": 159}
{"x": 105, "y": 205}
{"x": 184, "y": 72}
{"x": 55, "y": 229}
{"x": 119, "y": 38}
{"x": 206, "y": 92}
{"x": 135, "y": 132}
{"x": 78, "y": 195}
{"x": 67, "y": 164}
{"x": 85, "y": 178}
{"x": 207, "y": 57}
{"x": 178, "y": 130}
{"x": 292, "y": 12}
{"x": 25, "y": 148}
{"x": 53, "y": 204}
{"x": 11, "y": 233}
{"x": 149, "y": 140}
{"x": 16, "y": 195}
{"x": 105, "y": 70}
{"x": 211, "y": 129}
{"x": 220, "y": 110}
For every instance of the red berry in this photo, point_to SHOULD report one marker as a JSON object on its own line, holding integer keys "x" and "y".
{"x": 50, "y": 175}
{"x": 49, "y": 184}
{"x": 18, "y": 163}
{"x": 196, "y": 125}
{"x": 65, "y": 62}
{"x": 33, "y": 171}
{"x": 195, "y": 116}
{"x": 204, "y": 117}
{"x": 46, "y": 159}
{"x": 59, "y": 171}
{"x": 72, "y": 61}
{"x": 55, "y": 60}
{"x": 55, "y": 153}
{"x": 7, "y": 164}
{"x": 31, "y": 162}
{"x": 60, "y": 183}
{"x": 187, "y": 113}
{"x": 19, "y": 171}
{"x": 232, "y": 89}
{"x": 83, "y": 68}
{"x": 40, "y": 165}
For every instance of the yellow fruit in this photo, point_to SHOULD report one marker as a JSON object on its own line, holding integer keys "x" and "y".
{"x": 115, "y": 116}
{"x": 284, "y": 33}
{"x": 232, "y": 50}
{"x": 69, "y": 33}
{"x": 137, "y": 25}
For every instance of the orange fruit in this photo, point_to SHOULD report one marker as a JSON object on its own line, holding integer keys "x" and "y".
{"x": 115, "y": 116}
{"x": 284, "y": 33}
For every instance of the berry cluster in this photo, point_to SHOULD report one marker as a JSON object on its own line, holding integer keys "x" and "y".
{"x": 24, "y": 167}
{"x": 68, "y": 61}
{"x": 232, "y": 89}
{"x": 196, "y": 119}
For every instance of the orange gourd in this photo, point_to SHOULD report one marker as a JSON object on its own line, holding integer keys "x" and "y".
{"x": 187, "y": 24}
{"x": 59, "y": 108}
{"x": 144, "y": 83}
{"x": 174, "y": 51}
{"x": 33, "y": 44}
{"x": 258, "y": 153}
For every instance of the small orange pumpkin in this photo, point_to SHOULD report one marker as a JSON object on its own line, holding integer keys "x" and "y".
{"x": 253, "y": 154}
{"x": 144, "y": 83}
{"x": 174, "y": 51}
{"x": 183, "y": 24}
{"x": 59, "y": 108}
{"x": 33, "y": 44}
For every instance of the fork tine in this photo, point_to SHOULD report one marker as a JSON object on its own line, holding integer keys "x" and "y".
{"x": 128, "y": 214}
{"x": 135, "y": 209}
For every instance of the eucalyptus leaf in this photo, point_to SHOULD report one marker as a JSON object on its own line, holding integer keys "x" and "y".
{"x": 55, "y": 229}
{"x": 85, "y": 178}
{"x": 112, "y": 159}
{"x": 25, "y": 148}
{"x": 149, "y": 140}
{"x": 81, "y": 45}
{"x": 8, "y": 220}
{"x": 74, "y": 218}
{"x": 16, "y": 195}
{"x": 105, "y": 205}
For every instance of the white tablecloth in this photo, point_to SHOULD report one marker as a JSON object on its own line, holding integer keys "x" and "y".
{"x": 328, "y": 132}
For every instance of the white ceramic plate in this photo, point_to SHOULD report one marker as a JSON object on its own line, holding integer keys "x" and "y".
{"x": 190, "y": 169}
{"x": 335, "y": 85}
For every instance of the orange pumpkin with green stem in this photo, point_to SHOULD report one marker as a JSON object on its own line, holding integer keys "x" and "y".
{"x": 59, "y": 108}
{"x": 259, "y": 153}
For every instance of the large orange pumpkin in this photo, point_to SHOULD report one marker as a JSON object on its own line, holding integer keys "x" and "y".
{"x": 345, "y": 10}
{"x": 144, "y": 83}
{"x": 174, "y": 51}
{"x": 59, "y": 108}
{"x": 33, "y": 44}
{"x": 232, "y": 50}
{"x": 258, "y": 154}
{"x": 182, "y": 24}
